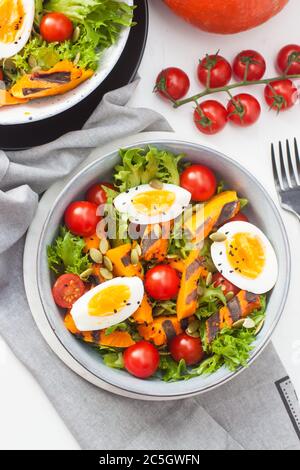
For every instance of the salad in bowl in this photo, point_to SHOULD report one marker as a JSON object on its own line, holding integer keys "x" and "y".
{"x": 160, "y": 271}
{"x": 50, "y": 47}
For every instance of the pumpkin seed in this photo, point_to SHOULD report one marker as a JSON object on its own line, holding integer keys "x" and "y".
{"x": 209, "y": 279}
{"x": 77, "y": 59}
{"x": 86, "y": 274}
{"x": 36, "y": 69}
{"x": 157, "y": 230}
{"x": 104, "y": 246}
{"x": 96, "y": 255}
{"x": 106, "y": 274}
{"x": 156, "y": 184}
{"x": 200, "y": 291}
{"x": 171, "y": 256}
{"x": 239, "y": 323}
{"x": 32, "y": 61}
{"x": 138, "y": 249}
{"x": 134, "y": 257}
{"x": 193, "y": 335}
{"x": 107, "y": 263}
{"x": 76, "y": 34}
{"x": 229, "y": 295}
{"x": 249, "y": 324}
{"x": 259, "y": 327}
{"x": 193, "y": 327}
{"x": 218, "y": 237}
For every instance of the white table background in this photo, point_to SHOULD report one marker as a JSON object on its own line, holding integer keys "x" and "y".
{"x": 27, "y": 419}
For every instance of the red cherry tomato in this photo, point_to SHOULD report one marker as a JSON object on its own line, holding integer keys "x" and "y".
{"x": 67, "y": 289}
{"x": 200, "y": 181}
{"x": 288, "y": 59}
{"x": 281, "y": 95}
{"x": 141, "y": 359}
{"x": 97, "y": 195}
{"x": 81, "y": 218}
{"x": 240, "y": 217}
{"x": 220, "y": 281}
{"x": 214, "y": 71}
{"x": 172, "y": 83}
{"x": 243, "y": 110}
{"x": 210, "y": 117}
{"x": 187, "y": 348}
{"x": 162, "y": 282}
{"x": 249, "y": 65}
{"x": 56, "y": 27}
{"x": 1, "y": 75}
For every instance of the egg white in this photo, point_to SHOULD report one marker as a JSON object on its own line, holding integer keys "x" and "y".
{"x": 123, "y": 204}
{"x": 268, "y": 277}
{"x": 23, "y": 34}
{"x": 86, "y": 322}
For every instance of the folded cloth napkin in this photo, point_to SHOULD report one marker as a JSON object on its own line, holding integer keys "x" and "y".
{"x": 247, "y": 413}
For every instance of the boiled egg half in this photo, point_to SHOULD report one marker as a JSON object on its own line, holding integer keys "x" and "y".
{"x": 148, "y": 205}
{"x": 246, "y": 257}
{"x": 16, "y": 21}
{"x": 108, "y": 304}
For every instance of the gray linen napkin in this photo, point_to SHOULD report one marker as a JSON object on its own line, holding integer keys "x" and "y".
{"x": 247, "y": 413}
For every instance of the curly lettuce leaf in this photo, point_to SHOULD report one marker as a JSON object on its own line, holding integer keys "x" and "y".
{"x": 113, "y": 360}
{"x": 173, "y": 371}
{"x": 66, "y": 254}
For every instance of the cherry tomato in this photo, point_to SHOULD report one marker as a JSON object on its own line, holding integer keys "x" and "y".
{"x": 162, "y": 282}
{"x": 141, "y": 359}
{"x": 67, "y": 289}
{"x": 214, "y": 71}
{"x": 1, "y": 75}
{"x": 200, "y": 181}
{"x": 187, "y": 348}
{"x": 249, "y": 65}
{"x": 219, "y": 280}
{"x": 210, "y": 117}
{"x": 97, "y": 195}
{"x": 281, "y": 95}
{"x": 172, "y": 83}
{"x": 288, "y": 59}
{"x": 240, "y": 217}
{"x": 243, "y": 110}
{"x": 56, "y": 27}
{"x": 81, "y": 218}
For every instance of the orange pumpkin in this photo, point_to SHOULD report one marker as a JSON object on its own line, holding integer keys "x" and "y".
{"x": 6, "y": 99}
{"x": 226, "y": 16}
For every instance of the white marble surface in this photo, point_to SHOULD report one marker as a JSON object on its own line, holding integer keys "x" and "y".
{"x": 28, "y": 420}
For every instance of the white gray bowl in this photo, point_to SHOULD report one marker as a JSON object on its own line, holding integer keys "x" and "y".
{"x": 87, "y": 362}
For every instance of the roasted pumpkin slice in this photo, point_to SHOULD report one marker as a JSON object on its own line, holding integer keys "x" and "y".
{"x": 242, "y": 305}
{"x": 155, "y": 245}
{"x": 121, "y": 260}
{"x": 64, "y": 76}
{"x": 7, "y": 99}
{"x": 91, "y": 242}
{"x": 161, "y": 330}
{"x": 177, "y": 264}
{"x": 144, "y": 312}
{"x": 187, "y": 300}
{"x": 211, "y": 215}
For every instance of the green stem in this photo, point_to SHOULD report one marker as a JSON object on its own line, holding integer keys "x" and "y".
{"x": 209, "y": 91}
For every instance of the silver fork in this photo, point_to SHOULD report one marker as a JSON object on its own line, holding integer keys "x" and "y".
{"x": 286, "y": 170}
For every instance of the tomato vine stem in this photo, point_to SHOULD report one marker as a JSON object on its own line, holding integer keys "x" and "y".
{"x": 227, "y": 88}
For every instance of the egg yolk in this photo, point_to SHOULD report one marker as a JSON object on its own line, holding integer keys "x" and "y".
{"x": 109, "y": 301}
{"x": 11, "y": 19}
{"x": 154, "y": 202}
{"x": 246, "y": 255}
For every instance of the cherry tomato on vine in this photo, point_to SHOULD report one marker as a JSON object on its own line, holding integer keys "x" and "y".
{"x": 240, "y": 217}
{"x": 172, "y": 83}
{"x": 81, "y": 218}
{"x": 97, "y": 195}
{"x": 220, "y": 281}
{"x": 67, "y": 289}
{"x": 288, "y": 59}
{"x": 187, "y": 348}
{"x": 281, "y": 95}
{"x": 210, "y": 117}
{"x": 141, "y": 359}
{"x": 214, "y": 71}
{"x": 249, "y": 65}
{"x": 56, "y": 27}
{"x": 243, "y": 110}
{"x": 200, "y": 181}
{"x": 162, "y": 282}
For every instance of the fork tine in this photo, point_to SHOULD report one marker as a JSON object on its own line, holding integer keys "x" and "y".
{"x": 285, "y": 183}
{"x": 297, "y": 160}
{"x": 275, "y": 171}
{"x": 291, "y": 170}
